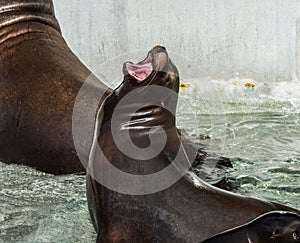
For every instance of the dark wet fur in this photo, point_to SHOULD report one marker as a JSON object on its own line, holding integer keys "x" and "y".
{"x": 181, "y": 213}
{"x": 269, "y": 228}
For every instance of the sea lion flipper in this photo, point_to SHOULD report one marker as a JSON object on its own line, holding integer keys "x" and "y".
{"x": 276, "y": 226}
{"x": 204, "y": 162}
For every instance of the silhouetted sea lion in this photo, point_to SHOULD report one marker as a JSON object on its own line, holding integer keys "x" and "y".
{"x": 40, "y": 79}
{"x": 126, "y": 209}
{"x": 280, "y": 227}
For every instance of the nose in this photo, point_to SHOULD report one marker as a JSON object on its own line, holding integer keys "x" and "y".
{"x": 159, "y": 48}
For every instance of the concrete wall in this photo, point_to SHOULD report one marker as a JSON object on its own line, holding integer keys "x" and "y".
{"x": 298, "y": 40}
{"x": 255, "y": 38}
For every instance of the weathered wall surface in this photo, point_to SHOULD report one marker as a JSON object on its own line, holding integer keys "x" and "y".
{"x": 255, "y": 38}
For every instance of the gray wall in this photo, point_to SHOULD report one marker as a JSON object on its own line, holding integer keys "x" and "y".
{"x": 256, "y": 38}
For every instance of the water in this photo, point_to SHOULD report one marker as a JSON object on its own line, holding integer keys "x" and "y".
{"x": 261, "y": 137}
{"x": 260, "y": 129}
{"x": 37, "y": 207}
{"x": 265, "y": 149}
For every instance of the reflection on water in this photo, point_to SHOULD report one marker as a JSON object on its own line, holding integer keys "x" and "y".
{"x": 265, "y": 147}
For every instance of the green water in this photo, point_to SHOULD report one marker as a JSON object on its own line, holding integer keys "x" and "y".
{"x": 37, "y": 207}
{"x": 266, "y": 151}
{"x": 265, "y": 147}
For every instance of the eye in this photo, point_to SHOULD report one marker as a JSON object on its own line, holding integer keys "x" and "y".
{"x": 168, "y": 79}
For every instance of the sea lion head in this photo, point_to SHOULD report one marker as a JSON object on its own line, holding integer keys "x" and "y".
{"x": 153, "y": 84}
{"x": 156, "y": 69}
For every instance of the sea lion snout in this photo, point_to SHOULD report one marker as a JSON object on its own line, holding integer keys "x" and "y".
{"x": 160, "y": 58}
{"x": 156, "y": 69}
{"x": 159, "y": 48}
{"x": 155, "y": 61}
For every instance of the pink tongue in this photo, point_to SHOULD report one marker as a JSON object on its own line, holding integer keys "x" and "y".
{"x": 140, "y": 72}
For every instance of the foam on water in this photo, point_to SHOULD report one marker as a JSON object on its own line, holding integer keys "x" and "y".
{"x": 241, "y": 95}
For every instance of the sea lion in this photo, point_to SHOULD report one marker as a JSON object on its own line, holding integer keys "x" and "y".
{"x": 40, "y": 78}
{"x": 280, "y": 227}
{"x": 182, "y": 212}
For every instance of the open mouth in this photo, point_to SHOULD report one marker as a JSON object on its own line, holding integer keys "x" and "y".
{"x": 142, "y": 70}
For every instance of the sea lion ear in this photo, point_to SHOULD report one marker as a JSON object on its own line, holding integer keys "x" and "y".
{"x": 175, "y": 80}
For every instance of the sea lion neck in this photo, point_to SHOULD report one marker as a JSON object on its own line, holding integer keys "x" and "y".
{"x": 145, "y": 108}
{"x": 15, "y": 12}
{"x": 134, "y": 123}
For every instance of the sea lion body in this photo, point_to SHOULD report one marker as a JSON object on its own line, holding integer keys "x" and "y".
{"x": 40, "y": 79}
{"x": 182, "y": 212}
{"x": 280, "y": 227}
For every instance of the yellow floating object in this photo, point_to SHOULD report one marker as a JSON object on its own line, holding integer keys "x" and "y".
{"x": 182, "y": 85}
{"x": 236, "y": 83}
{"x": 250, "y": 85}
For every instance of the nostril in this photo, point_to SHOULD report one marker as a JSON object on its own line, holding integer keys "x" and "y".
{"x": 159, "y": 48}
{"x": 162, "y": 49}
